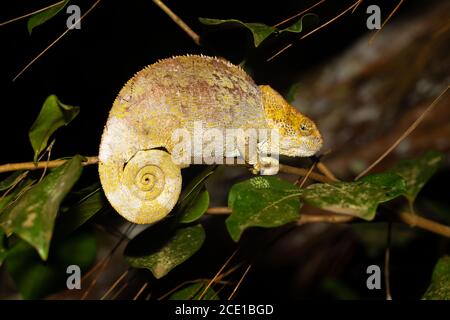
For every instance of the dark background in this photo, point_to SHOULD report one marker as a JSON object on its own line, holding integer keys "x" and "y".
{"x": 88, "y": 67}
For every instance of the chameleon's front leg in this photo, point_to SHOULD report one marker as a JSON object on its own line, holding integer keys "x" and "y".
{"x": 265, "y": 165}
{"x": 261, "y": 163}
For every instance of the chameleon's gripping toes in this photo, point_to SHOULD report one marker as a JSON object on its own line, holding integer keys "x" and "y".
{"x": 136, "y": 169}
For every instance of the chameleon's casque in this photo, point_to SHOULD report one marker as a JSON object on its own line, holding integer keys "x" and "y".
{"x": 135, "y": 165}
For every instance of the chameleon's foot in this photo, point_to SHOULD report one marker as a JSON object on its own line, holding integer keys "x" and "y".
{"x": 266, "y": 166}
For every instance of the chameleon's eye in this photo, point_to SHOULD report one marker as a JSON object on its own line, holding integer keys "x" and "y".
{"x": 304, "y": 127}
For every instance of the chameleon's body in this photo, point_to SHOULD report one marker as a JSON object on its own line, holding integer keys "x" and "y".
{"x": 139, "y": 178}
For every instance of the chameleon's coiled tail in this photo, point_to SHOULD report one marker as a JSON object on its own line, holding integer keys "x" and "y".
{"x": 145, "y": 188}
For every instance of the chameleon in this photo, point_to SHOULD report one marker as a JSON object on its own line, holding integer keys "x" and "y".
{"x": 137, "y": 170}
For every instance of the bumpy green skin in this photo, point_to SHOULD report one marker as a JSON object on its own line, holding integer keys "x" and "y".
{"x": 171, "y": 94}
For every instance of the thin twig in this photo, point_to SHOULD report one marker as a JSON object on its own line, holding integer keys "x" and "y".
{"x": 31, "y": 13}
{"x": 54, "y": 42}
{"x": 326, "y": 172}
{"x": 123, "y": 275}
{"x": 318, "y": 28}
{"x": 298, "y": 14}
{"x": 41, "y": 164}
{"x": 194, "y": 36}
{"x": 217, "y": 275}
{"x": 140, "y": 291}
{"x": 385, "y": 21}
{"x": 305, "y": 178}
{"x": 303, "y": 172}
{"x": 239, "y": 283}
{"x": 49, "y": 154}
{"x": 119, "y": 291}
{"x": 14, "y": 184}
{"x": 404, "y": 135}
{"x": 386, "y": 262}
{"x": 331, "y": 218}
{"x": 355, "y": 5}
{"x": 104, "y": 262}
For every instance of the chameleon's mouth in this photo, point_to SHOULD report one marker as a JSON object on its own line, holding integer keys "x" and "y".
{"x": 307, "y": 148}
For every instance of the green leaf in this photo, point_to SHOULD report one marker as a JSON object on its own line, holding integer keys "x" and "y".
{"x": 43, "y": 16}
{"x": 260, "y": 31}
{"x": 196, "y": 208}
{"x": 439, "y": 288}
{"x": 261, "y": 202}
{"x": 3, "y": 249}
{"x": 80, "y": 212}
{"x": 79, "y": 249}
{"x": 180, "y": 247}
{"x": 32, "y": 217}
{"x": 35, "y": 279}
{"x": 193, "y": 292}
{"x": 32, "y": 277}
{"x": 358, "y": 198}
{"x": 12, "y": 196}
{"x": 52, "y": 116}
{"x": 417, "y": 172}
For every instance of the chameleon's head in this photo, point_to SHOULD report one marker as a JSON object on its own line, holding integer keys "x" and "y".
{"x": 299, "y": 136}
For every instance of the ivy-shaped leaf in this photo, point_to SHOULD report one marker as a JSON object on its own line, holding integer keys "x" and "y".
{"x": 180, "y": 247}
{"x": 439, "y": 288}
{"x": 260, "y": 31}
{"x": 52, "y": 116}
{"x": 43, "y": 16}
{"x": 193, "y": 292}
{"x": 196, "y": 208}
{"x": 261, "y": 202}
{"x": 32, "y": 217}
{"x": 358, "y": 198}
{"x": 417, "y": 172}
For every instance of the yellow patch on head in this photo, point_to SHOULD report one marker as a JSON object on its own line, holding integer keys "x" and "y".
{"x": 300, "y": 134}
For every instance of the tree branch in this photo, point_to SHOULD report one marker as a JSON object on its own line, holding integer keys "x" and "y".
{"x": 413, "y": 220}
{"x": 41, "y": 164}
